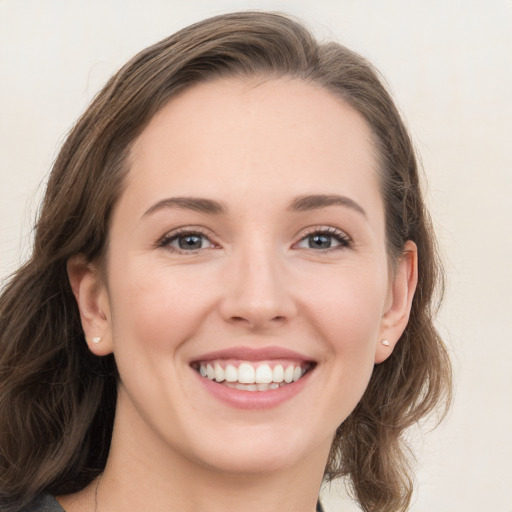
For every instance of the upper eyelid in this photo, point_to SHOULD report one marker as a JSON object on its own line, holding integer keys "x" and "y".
{"x": 331, "y": 230}
{"x": 212, "y": 236}
{"x": 345, "y": 240}
{"x": 185, "y": 230}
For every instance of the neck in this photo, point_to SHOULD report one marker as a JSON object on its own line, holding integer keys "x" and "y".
{"x": 204, "y": 492}
{"x": 145, "y": 474}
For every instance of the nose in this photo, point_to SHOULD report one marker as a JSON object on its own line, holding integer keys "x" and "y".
{"x": 257, "y": 294}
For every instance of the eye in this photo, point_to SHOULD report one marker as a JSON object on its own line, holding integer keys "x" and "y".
{"x": 324, "y": 239}
{"x": 186, "y": 241}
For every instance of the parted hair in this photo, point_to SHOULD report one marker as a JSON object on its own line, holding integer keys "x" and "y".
{"x": 57, "y": 399}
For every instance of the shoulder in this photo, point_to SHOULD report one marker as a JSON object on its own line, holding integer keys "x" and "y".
{"x": 43, "y": 503}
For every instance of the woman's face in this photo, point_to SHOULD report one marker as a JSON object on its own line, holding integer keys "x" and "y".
{"x": 248, "y": 246}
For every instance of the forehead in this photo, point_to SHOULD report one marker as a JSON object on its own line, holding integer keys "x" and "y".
{"x": 250, "y": 135}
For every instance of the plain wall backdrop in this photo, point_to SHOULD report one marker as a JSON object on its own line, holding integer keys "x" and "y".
{"x": 448, "y": 64}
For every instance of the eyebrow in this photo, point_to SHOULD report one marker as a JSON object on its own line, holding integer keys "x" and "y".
{"x": 313, "y": 202}
{"x": 196, "y": 204}
{"x": 299, "y": 204}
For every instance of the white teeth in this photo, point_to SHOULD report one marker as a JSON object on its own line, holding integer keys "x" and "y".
{"x": 249, "y": 378}
{"x": 231, "y": 373}
{"x": 288, "y": 374}
{"x": 278, "y": 373}
{"x": 264, "y": 374}
{"x": 253, "y": 387}
{"x": 219, "y": 373}
{"x": 246, "y": 374}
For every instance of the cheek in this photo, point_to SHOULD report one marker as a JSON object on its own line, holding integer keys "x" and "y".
{"x": 347, "y": 313}
{"x": 156, "y": 307}
{"x": 347, "y": 305}
{"x": 352, "y": 334}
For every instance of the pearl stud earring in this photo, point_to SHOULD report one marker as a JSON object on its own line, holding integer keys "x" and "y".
{"x": 96, "y": 340}
{"x": 385, "y": 342}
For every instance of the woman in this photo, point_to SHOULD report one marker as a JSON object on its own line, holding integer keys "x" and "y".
{"x": 231, "y": 290}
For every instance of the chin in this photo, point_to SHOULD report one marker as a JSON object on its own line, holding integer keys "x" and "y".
{"x": 252, "y": 462}
{"x": 259, "y": 451}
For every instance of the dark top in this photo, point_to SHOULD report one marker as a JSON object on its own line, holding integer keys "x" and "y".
{"x": 43, "y": 503}
{"x": 47, "y": 503}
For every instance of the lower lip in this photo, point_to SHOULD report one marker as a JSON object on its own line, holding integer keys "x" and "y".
{"x": 253, "y": 399}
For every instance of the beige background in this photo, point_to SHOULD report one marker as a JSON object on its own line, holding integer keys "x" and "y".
{"x": 449, "y": 65}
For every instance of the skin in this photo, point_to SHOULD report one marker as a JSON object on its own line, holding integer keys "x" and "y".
{"x": 258, "y": 280}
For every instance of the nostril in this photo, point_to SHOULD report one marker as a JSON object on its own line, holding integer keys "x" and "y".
{"x": 257, "y": 321}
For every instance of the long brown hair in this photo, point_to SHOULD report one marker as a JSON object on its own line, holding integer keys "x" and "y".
{"x": 57, "y": 400}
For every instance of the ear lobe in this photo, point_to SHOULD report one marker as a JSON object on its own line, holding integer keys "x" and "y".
{"x": 92, "y": 299}
{"x": 402, "y": 290}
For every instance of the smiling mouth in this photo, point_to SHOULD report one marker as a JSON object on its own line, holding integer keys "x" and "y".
{"x": 252, "y": 376}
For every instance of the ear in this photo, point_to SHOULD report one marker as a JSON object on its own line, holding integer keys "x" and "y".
{"x": 398, "y": 307}
{"x": 93, "y": 303}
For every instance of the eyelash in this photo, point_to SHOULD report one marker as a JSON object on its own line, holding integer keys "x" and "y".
{"x": 166, "y": 241}
{"x": 344, "y": 241}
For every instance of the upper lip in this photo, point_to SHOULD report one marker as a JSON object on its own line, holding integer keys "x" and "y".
{"x": 253, "y": 354}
